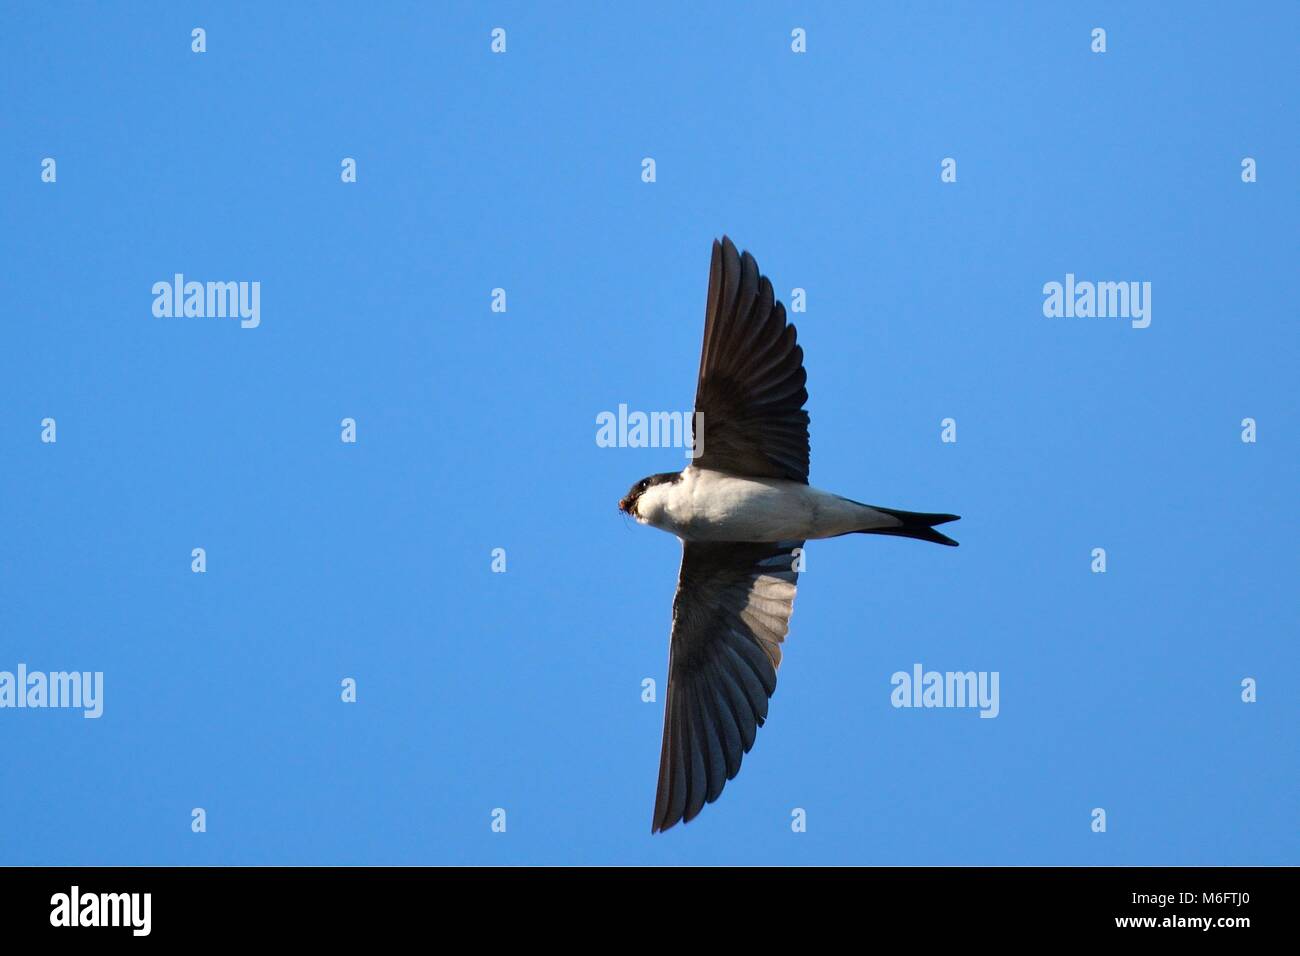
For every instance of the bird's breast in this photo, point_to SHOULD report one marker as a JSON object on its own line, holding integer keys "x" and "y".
{"x": 714, "y": 506}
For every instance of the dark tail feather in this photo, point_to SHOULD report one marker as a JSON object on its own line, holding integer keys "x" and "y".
{"x": 916, "y": 524}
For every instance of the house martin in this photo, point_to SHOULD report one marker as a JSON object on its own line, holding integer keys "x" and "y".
{"x": 742, "y": 508}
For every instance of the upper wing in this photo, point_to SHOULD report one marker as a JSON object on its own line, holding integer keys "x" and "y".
{"x": 751, "y": 386}
{"x": 730, "y": 616}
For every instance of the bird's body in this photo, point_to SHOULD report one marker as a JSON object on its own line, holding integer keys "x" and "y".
{"x": 707, "y": 505}
{"x": 743, "y": 509}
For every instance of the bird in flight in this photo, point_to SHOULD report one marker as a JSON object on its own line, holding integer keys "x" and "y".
{"x": 742, "y": 509}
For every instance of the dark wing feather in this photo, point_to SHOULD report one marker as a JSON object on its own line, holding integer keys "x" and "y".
{"x": 730, "y": 616}
{"x": 751, "y": 386}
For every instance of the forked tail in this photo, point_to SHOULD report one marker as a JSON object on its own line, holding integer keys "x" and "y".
{"x": 913, "y": 524}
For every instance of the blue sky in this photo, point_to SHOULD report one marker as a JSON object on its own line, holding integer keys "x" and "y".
{"x": 476, "y": 429}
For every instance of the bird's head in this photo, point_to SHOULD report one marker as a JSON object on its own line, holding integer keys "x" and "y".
{"x": 628, "y": 503}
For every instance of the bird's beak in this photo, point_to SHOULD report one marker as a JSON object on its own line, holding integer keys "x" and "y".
{"x": 624, "y": 504}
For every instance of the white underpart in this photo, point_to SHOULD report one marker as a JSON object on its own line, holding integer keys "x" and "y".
{"x": 713, "y": 506}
